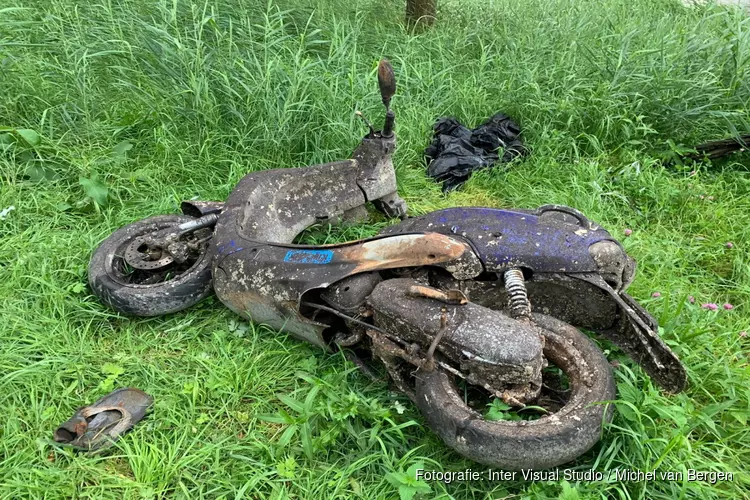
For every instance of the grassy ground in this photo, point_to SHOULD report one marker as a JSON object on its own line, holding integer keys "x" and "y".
{"x": 125, "y": 108}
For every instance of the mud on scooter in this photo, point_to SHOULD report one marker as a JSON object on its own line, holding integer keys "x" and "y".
{"x": 459, "y": 305}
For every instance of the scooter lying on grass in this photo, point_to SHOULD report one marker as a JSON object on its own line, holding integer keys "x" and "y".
{"x": 461, "y": 305}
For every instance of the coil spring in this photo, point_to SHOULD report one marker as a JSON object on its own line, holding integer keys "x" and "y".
{"x": 518, "y": 300}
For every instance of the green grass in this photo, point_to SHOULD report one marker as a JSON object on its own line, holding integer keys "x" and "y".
{"x": 205, "y": 92}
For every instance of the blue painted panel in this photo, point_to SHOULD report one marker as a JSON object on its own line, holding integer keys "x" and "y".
{"x": 506, "y": 238}
{"x": 309, "y": 256}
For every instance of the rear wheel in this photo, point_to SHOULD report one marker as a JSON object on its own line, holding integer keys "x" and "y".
{"x": 556, "y": 438}
{"x": 165, "y": 289}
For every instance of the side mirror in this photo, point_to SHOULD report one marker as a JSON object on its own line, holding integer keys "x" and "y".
{"x": 386, "y": 82}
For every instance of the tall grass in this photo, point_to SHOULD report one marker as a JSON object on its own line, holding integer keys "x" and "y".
{"x": 166, "y": 100}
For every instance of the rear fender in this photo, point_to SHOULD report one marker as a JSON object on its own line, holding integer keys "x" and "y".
{"x": 635, "y": 331}
{"x": 587, "y": 301}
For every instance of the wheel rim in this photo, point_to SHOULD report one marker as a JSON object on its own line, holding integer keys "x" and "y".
{"x": 554, "y": 396}
{"x": 568, "y": 358}
{"x": 120, "y": 271}
{"x": 528, "y": 444}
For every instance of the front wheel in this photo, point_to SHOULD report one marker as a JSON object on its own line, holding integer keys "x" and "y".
{"x": 554, "y": 439}
{"x": 139, "y": 292}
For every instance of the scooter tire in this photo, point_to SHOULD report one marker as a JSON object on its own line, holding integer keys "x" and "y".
{"x": 547, "y": 442}
{"x": 106, "y": 281}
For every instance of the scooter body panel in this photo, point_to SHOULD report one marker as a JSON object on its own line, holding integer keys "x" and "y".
{"x": 506, "y": 239}
{"x": 266, "y": 282}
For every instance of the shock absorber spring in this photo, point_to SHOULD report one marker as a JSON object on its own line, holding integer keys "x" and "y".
{"x": 518, "y": 300}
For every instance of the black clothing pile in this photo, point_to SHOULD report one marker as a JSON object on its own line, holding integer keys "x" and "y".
{"x": 456, "y": 151}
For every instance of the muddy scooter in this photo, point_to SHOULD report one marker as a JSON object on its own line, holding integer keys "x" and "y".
{"x": 460, "y": 307}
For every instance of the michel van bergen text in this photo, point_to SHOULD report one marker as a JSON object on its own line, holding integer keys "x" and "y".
{"x": 573, "y": 475}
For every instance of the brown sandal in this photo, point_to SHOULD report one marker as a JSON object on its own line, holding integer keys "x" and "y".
{"x": 99, "y": 425}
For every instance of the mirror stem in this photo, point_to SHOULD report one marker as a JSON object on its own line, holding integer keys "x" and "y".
{"x": 390, "y": 120}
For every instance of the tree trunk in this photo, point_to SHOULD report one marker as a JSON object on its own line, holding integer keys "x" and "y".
{"x": 420, "y": 13}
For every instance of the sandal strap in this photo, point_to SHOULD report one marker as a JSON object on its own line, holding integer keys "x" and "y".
{"x": 120, "y": 427}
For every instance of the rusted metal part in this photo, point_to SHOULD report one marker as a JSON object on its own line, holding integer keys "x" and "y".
{"x": 561, "y": 248}
{"x": 393, "y": 358}
{"x": 488, "y": 346}
{"x": 356, "y": 322}
{"x": 253, "y": 256}
{"x": 429, "y": 362}
{"x": 518, "y": 302}
{"x": 156, "y": 291}
{"x": 393, "y": 352}
{"x": 141, "y": 254}
{"x": 178, "y": 243}
{"x": 387, "y": 84}
{"x": 453, "y": 296}
{"x": 428, "y": 296}
{"x": 414, "y": 250}
{"x": 255, "y": 261}
{"x": 571, "y": 300}
{"x": 389, "y": 124}
{"x": 343, "y": 340}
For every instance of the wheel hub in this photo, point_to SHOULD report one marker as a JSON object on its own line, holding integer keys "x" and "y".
{"x": 143, "y": 255}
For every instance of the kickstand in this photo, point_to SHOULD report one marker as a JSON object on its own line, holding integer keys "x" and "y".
{"x": 369, "y": 372}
